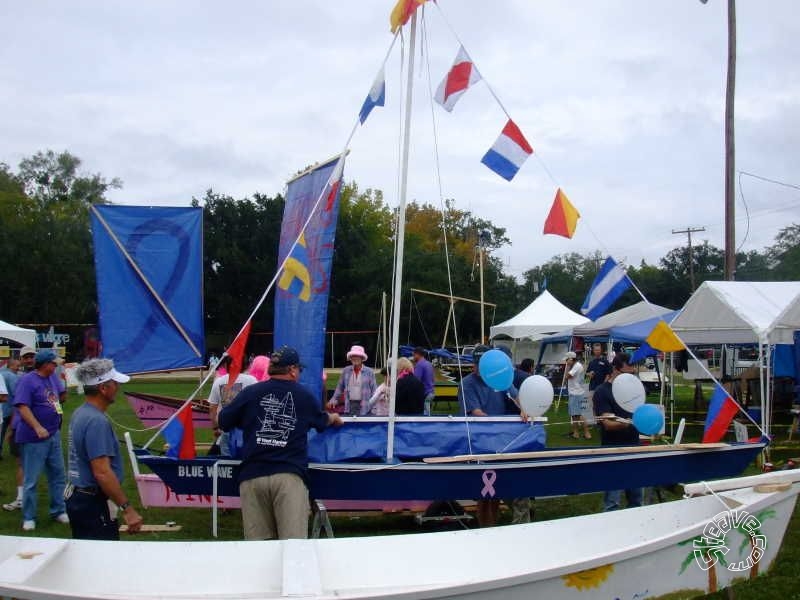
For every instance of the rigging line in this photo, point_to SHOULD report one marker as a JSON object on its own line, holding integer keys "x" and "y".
{"x": 491, "y": 90}
{"x": 443, "y": 206}
{"x": 410, "y": 319}
{"x": 336, "y": 174}
{"x": 746, "y": 210}
{"x": 775, "y": 181}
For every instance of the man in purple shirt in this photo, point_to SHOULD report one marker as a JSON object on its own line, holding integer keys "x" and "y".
{"x": 38, "y": 404}
{"x": 423, "y": 370}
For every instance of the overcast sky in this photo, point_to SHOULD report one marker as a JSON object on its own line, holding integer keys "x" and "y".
{"x": 622, "y": 101}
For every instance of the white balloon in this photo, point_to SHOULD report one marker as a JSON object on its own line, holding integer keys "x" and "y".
{"x": 535, "y": 395}
{"x": 628, "y": 391}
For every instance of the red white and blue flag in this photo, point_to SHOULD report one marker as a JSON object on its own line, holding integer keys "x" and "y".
{"x": 462, "y": 75}
{"x": 375, "y": 97}
{"x": 179, "y": 434}
{"x": 721, "y": 411}
{"x": 509, "y": 151}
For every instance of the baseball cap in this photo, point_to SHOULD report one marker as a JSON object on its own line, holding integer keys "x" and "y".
{"x": 285, "y": 356}
{"x": 47, "y": 355}
{"x": 479, "y": 351}
{"x": 26, "y": 350}
{"x": 110, "y": 375}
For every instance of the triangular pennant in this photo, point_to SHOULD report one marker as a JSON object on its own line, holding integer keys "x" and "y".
{"x": 563, "y": 217}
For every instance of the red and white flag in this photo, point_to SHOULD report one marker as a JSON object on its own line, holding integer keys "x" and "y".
{"x": 462, "y": 75}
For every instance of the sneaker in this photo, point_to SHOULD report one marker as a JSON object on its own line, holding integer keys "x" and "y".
{"x": 62, "y": 518}
{"x": 28, "y": 525}
{"x": 15, "y": 505}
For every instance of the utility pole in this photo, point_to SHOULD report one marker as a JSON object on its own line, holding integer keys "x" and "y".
{"x": 730, "y": 152}
{"x": 689, "y": 231}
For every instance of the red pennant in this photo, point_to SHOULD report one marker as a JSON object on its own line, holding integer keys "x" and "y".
{"x": 236, "y": 352}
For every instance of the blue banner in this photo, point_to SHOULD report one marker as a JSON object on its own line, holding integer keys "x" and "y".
{"x": 301, "y": 296}
{"x": 149, "y": 267}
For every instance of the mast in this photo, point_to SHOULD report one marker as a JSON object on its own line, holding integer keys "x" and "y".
{"x": 401, "y": 231}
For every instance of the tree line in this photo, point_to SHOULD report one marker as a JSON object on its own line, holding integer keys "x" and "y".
{"x": 48, "y": 277}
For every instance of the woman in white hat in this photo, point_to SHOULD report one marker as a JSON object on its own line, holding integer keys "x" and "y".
{"x": 356, "y": 385}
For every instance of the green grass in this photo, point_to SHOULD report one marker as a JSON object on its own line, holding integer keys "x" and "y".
{"x": 779, "y": 582}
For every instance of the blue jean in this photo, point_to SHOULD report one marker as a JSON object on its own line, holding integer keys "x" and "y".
{"x": 612, "y": 500}
{"x": 44, "y": 455}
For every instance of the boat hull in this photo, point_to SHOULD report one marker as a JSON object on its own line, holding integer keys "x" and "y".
{"x": 574, "y": 474}
{"x": 154, "y": 409}
{"x": 644, "y": 552}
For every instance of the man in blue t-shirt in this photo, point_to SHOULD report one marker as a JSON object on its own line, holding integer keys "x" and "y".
{"x": 95, "y": 465}
{"x": 275, "y": 417}
{"x": 37, "y": 431}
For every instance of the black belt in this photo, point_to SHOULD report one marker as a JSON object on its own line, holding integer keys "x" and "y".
{"x": 91, "y": 490}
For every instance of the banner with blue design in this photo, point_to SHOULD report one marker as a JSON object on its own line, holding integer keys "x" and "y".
{"x": 149, "y": 268}
{"x": 301, "y": 296}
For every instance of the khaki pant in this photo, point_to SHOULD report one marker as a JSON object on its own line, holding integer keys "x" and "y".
{"x": 274, "y": 507}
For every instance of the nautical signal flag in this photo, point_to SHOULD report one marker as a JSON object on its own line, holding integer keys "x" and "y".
{"x": 236, "y": 352}
{"x": 179, "y": 434}
{"x": 335, "y": 183}
{"x": 721, "y": 411}
{"x": 563, "y": 217}
{"x": 610, "y": 283}
{"x": 508, "y": 152}
{"x": 296, "y": 278}
{"x": 661, "y": 338}
{"x": 402, "y": 12}
{"x": 375, "y": 97}
{"x": 461, "y": 75}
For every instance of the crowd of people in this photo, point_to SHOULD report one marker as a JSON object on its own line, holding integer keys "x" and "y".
{"x": 88, "y": 493}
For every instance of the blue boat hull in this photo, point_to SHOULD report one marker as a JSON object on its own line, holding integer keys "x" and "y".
{"x": 580, "y": 472}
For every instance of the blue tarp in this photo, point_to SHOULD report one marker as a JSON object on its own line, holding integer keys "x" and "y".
{"x": 417, "y": 440}
{"x": 165, "y": 244}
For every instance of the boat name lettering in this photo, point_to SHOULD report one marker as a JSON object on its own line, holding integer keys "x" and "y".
{"x": 202, "y": 471}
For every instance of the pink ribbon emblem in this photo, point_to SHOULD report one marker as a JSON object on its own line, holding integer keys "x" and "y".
{"x": 488, "y": 477}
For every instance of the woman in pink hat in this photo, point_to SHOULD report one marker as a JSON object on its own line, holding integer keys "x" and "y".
{"x": 356, "y": 385}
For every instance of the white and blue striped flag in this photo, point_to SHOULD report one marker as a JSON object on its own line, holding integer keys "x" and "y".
{"x": 375, "y": 97}
{"x": 611, "y": 282}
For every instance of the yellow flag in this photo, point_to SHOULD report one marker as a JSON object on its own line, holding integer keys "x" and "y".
{"x": 402, "y": 12}
{"x": 663, "y": 338}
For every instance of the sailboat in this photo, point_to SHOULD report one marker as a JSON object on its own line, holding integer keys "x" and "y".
{"x": 456, "y": 457}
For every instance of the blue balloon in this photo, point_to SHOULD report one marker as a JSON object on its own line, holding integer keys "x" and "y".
{"x": 648, "y": 419}
{"x": 496, "y": 370}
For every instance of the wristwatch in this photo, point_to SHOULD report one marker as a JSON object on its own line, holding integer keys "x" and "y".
{"x": 124, "y": 506}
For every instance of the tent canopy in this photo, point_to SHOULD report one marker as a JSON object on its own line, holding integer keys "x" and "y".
{"x": 26, "y": 337}
{"x": 624, "y": 316}
{"x": 741, "y": 312}
{"x": 543, "y": 316}
{"x": 636, "y": 333}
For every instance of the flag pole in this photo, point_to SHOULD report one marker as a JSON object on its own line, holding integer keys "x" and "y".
{"x": 401, "y": 230}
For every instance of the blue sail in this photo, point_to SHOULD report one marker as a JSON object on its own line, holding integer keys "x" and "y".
{"x": 301, "y": 298}
{"x": 149, "y": 267}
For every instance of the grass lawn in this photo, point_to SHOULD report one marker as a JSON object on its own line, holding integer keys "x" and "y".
{"x": 780, "y": 582}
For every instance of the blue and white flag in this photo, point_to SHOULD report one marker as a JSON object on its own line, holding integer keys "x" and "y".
{"x": 611, "y": 282}
{"x": 376, "y": 97}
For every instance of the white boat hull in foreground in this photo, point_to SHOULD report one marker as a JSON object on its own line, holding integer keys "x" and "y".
{"x": 637, "y": 553}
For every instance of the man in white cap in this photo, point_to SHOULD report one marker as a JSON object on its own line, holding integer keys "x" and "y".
{"x": 574, "y": 373}
{"x": 356, "y": 384}
{"x": 95, "y": 462}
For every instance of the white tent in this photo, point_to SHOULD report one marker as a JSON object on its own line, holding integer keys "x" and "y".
{"x": 26, "y": 337}
{"x": 762, "y": 313}
{"x": 543, "y": 316}
{"x": 741, "y": 312}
